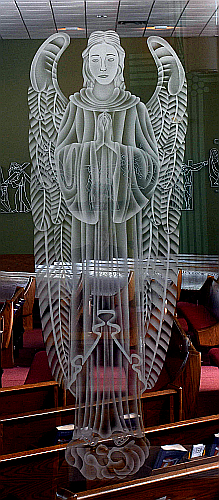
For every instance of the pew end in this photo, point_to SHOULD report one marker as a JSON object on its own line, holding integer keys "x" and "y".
{"x": 29, "y": 296}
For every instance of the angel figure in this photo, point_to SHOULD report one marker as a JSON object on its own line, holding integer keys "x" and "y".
{"x": 106, "y": 190}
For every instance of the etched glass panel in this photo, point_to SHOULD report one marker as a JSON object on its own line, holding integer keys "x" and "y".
{"x": 106, "y": 188}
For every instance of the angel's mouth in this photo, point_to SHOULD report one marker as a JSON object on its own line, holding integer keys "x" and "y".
{"x": 103, "y": 76}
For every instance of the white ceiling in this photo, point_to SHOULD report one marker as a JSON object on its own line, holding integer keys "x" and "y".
{"x": 40, "y": 18}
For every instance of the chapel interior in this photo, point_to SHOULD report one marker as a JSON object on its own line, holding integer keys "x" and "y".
{"x": 36, "y": 411}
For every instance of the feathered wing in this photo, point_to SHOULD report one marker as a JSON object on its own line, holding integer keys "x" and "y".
{"x": 167, "y": 111}
{"x": 52, "y": 221}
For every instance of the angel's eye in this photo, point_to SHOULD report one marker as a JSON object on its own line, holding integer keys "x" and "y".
{"x": 95, "y": 59}
{"x": 111, "y": 59}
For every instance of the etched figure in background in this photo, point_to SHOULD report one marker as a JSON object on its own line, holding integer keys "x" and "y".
{"x": 213, "y": 168}
{"x": 4, "y": 198}
{"x": 14, "y": 196}
{"x": 106, "y": 191}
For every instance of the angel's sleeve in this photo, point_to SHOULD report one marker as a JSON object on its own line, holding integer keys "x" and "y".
{"x": 160, "y": 234}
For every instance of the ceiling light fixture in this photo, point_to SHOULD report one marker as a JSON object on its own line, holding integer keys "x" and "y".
{"x": 101, "y": 15}
{"x": 160, "y": 27}
{"x": 70, "y": 28}
{"x": 132, "y": 22}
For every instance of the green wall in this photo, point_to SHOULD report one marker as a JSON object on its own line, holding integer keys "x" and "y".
{"x": 15, "y": 56}
{"x": 199, "y": 228}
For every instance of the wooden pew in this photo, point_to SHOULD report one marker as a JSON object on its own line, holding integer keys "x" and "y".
{"x": 201, "y": 311}
{"x": 193, "y": 480}
{"x": 30, "y": 475}
{"x": 32, "y": 430}
{"x": 160, "y": 406}
{"x": 11, "y": 313}
{"x": 36, "y": 476}
{"x": 38, "y": 424}
{"x": 29, "y": 296}
{"x": 29, "y": 430}
{"x": 188, "y": 483}
{"x": 1, "y": 334}
{"x": 43, "y": 473}
{"x": 10, "y": 283}
{"x": 182, "y": 369}
{"x": 189, "y": 380}
{"x": 17, "y": 315}
{"x": 29, "y": 397}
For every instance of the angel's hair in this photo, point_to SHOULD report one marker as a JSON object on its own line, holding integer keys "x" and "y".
{"x": 111, "y": 38}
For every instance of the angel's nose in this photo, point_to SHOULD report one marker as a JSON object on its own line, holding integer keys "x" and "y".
{"x": 103, "y": 64}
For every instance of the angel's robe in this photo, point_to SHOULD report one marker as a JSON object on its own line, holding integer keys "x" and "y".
{"x": 107, "y": 166}
{"x": 107, "y": 162}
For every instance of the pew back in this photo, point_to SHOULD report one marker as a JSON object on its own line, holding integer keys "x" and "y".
{"x": 29, "y": 397}
{"x": 29, "y": 430}
{"x": 43, "y": 473}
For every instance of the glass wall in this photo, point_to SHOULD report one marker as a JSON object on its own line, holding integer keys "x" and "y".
{"x": 199, "y": 247}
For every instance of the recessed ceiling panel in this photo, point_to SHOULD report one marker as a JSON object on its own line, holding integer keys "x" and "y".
{"x": 196, "y": 16}
{"x": 134, "y": 11}
{"x": 166, "y": 13}
{"x": 132, "y": 17}
{"x": 212, "y": 27}
{"x": 11, "y": 24}
{"x": 70, "y": 15}
{"x": 41, "y": 18}
{"x": 101, "y": 15}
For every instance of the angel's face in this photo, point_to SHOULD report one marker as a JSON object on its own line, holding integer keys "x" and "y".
{"x": 103, "y": 63}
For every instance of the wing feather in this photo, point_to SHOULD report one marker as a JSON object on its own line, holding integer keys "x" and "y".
{"x": 167, "y": 111}
{"x": 51, "y": 217}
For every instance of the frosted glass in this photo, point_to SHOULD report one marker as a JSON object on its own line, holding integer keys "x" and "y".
{"x": 106, "y": 190}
